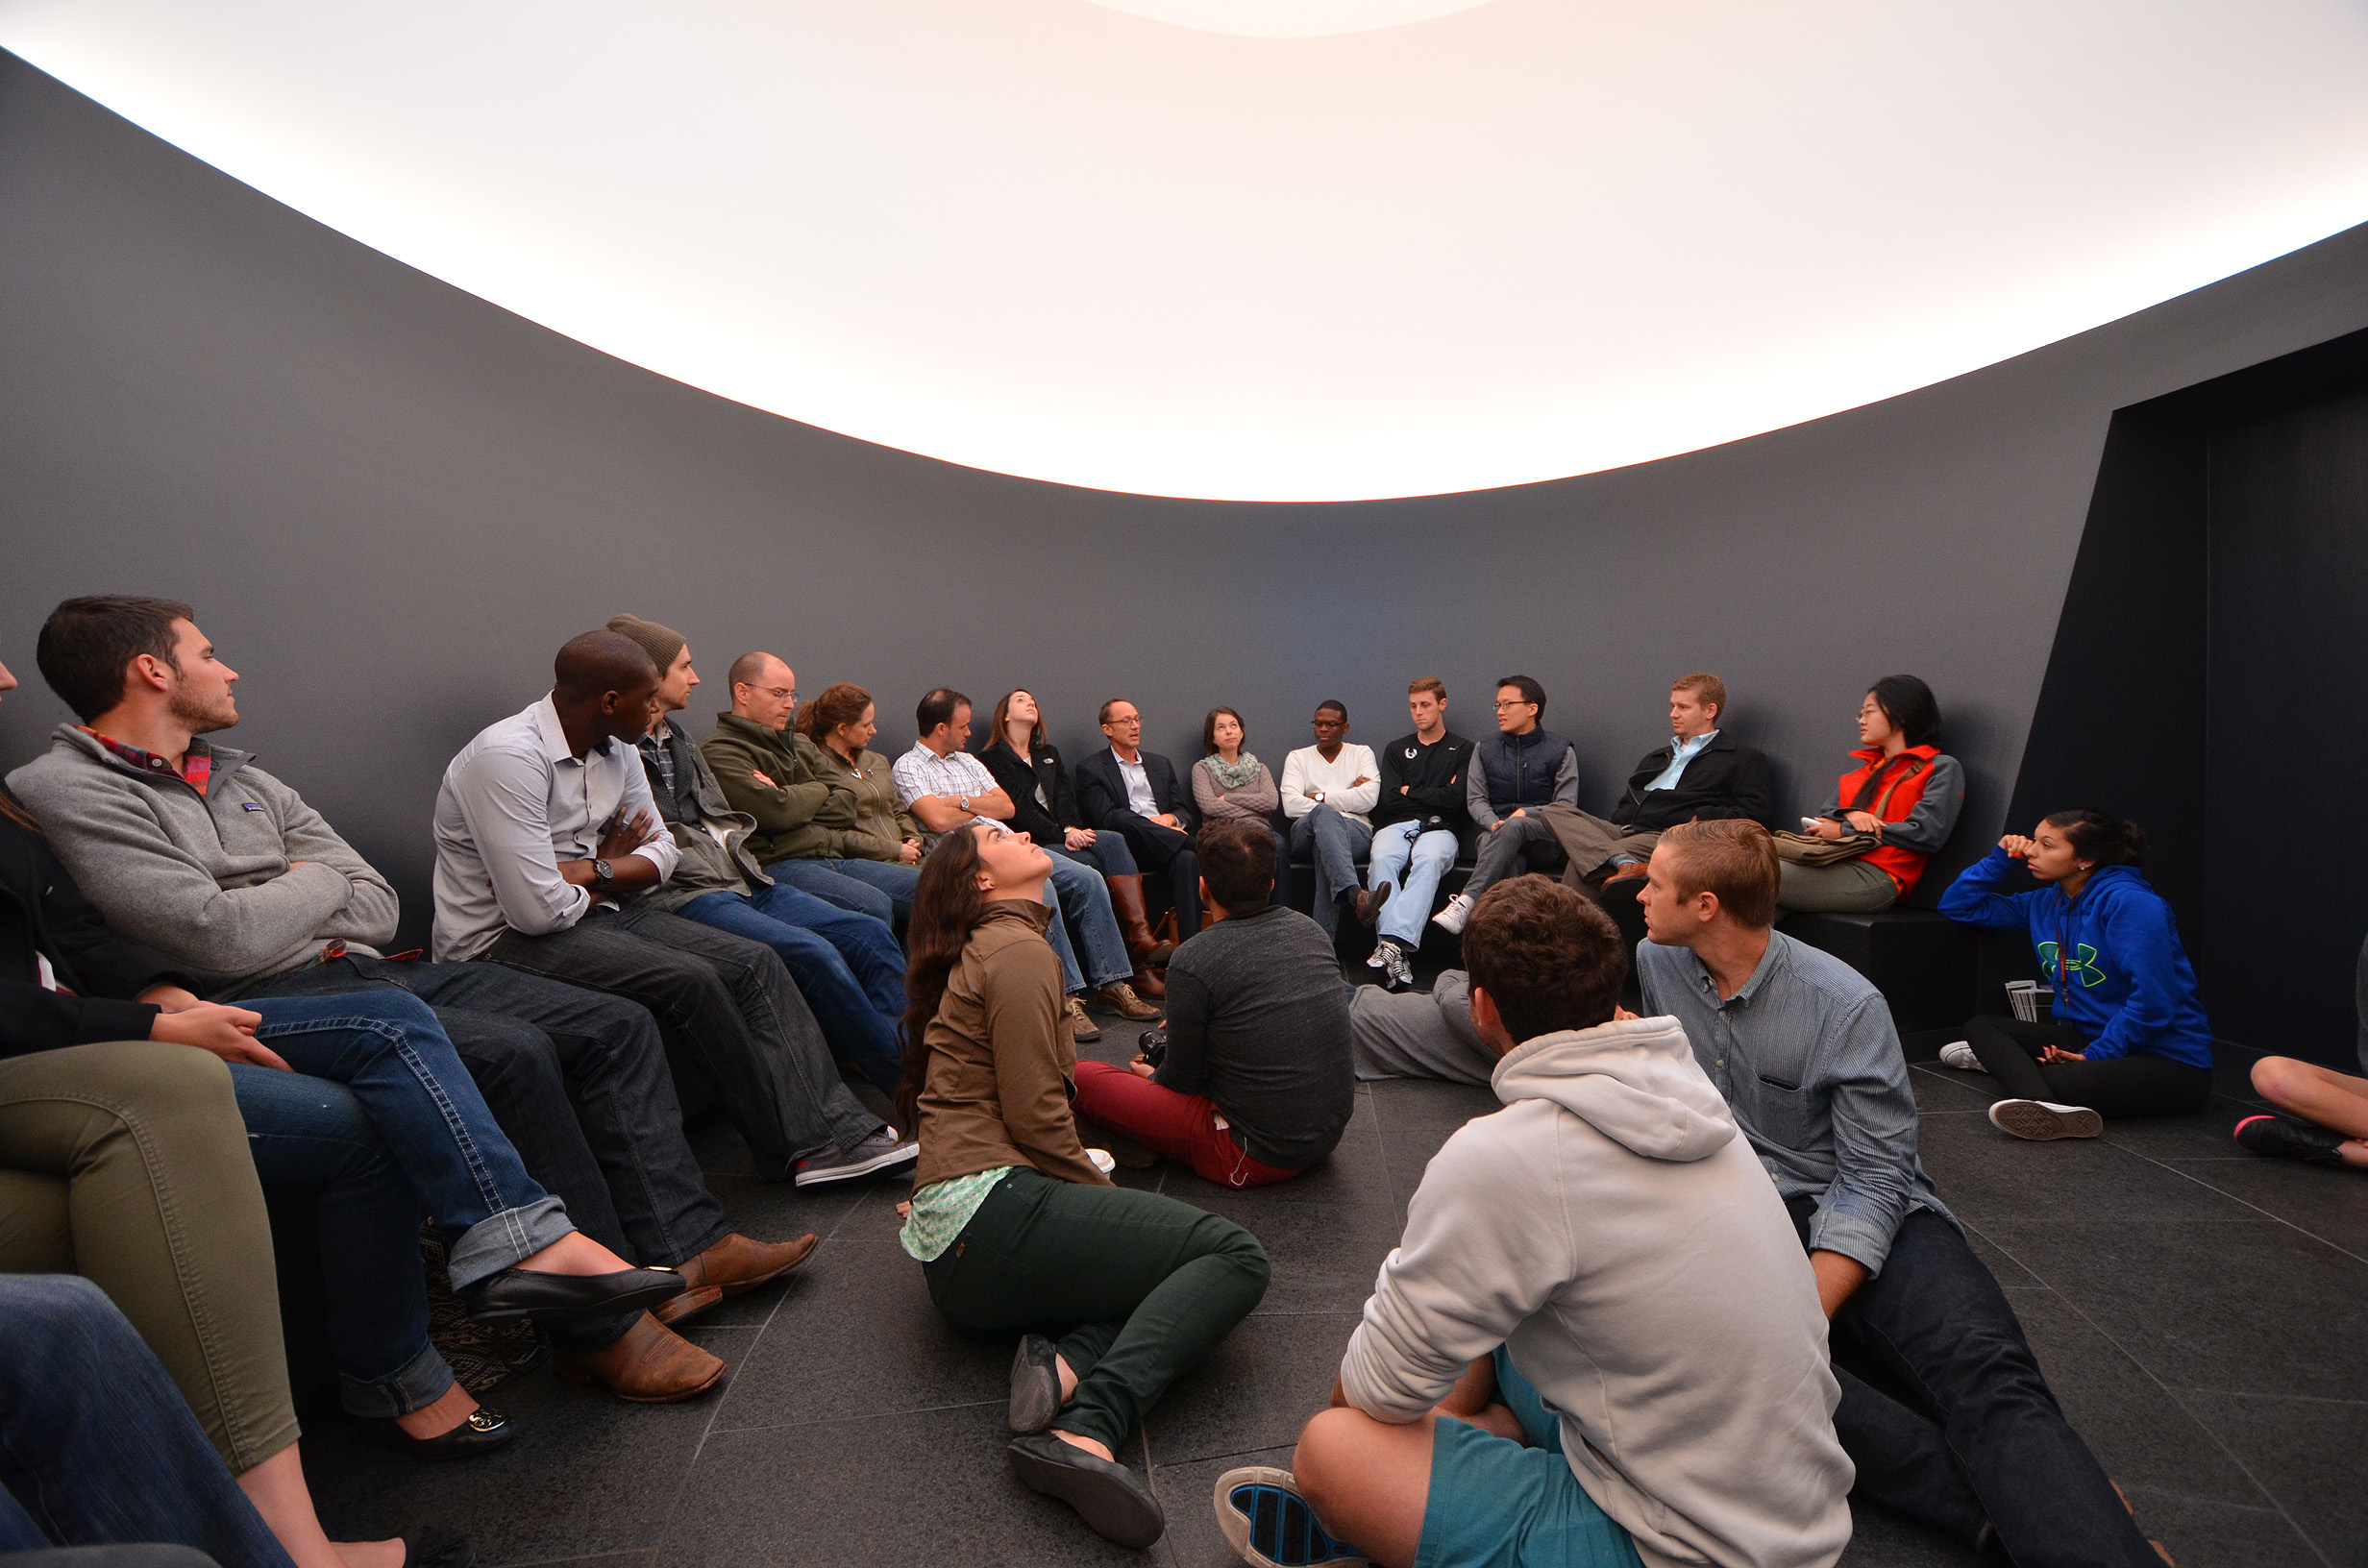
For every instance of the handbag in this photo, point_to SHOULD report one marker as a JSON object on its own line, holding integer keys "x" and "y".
{"x": 1808, "y": 850}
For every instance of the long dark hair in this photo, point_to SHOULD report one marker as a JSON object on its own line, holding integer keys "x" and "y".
{"x": 947, "y": 904}
{"x": 2109, "y": 841}
{"x": 1002, "y": 714}
{"x": 1208, "y": 730}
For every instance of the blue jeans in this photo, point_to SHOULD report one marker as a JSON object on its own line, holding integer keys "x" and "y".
{"x": 97, "y": 1442}
{"x": 312, "y": 1134}
{"x": 866, "y": 886}
{"x": 1425, "y": 858}
{"x": 848, "y": 968}
{"x": 1333, "y": 841}
{"x": 1108, "y": 854}
{"x": 386, "y": 1046}
{"x": 1077, "y": 891}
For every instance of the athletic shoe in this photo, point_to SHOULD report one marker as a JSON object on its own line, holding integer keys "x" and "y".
{"x": 1958, "y": 1054}
{"x": 2281, "y": 1137}
{"x": 2042, "y": 1119}
{"x": 1035, "y": 1384}
{"x": 1401, "y": 971}
{"x": 1377, "y": 961}
{"x": 1452, "y": 917}
{"x": 882, "y": 1151}
{"x": 1105, "y": 1494}
{"x": 1269, "y": 1523}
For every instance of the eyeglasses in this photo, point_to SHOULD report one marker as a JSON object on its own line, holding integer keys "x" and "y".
{"x": 1502, "y": 704}
{"x": 779, "y": 693}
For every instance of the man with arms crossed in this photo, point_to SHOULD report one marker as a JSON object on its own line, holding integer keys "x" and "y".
{"x": 1126, "y": 790}
{"x": 1328, "y": 790}
{"x": 546, "y": 835}
{"x": 1420, "y": 825}
{"x": 1597, "y": 1342}
{"x": 1802, "y": 1047}
{"x": 188, "y": 849}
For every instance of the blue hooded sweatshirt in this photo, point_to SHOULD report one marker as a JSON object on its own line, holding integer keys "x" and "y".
{"x": 2112, "y": 954}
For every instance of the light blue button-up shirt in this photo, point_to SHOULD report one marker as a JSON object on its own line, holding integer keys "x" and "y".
{"x": 1686, "y": 751}
{"x": 1808, "y": 1060}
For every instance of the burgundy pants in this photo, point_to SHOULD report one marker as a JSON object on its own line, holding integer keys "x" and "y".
{"x": 1184, "y": 1127}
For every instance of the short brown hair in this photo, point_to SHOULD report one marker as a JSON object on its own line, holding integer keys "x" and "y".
{"x": 1237, "y": 861}
{"x": 1708, "y": 689}
{"x": 1549, "y": 957}
{"x": 88, "y": 644}
{"x": 1734, "y": 858}
{"x": 1427, "y": 683}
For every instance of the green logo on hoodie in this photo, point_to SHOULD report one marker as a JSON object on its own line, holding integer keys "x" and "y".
{"x": 2083, "y": 969}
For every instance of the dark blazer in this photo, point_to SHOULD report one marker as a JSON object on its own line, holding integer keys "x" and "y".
{"x": 1020, "y": 776}
{"x": 1101, "y": 790}
{"x": 41, "y": 911}
{"x": 1724, "y": 780}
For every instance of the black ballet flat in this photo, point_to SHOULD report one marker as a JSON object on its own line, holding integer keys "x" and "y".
{"x": 437, "y": 1546}
{"x": 526, "y": 1292}
{"x": 483, "y": 1432}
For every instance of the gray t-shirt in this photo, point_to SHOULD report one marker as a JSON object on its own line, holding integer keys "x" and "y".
{"x": 1258, "y": 1022}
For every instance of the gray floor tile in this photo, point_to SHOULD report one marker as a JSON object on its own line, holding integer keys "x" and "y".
{"x": 1984, "y": 1174}
{"x": 1423, "y": 1109}
{"x": 2332, "y": 1205}
{"x": 2202, "y": 1136}
{"x": 1945, "y": 1091}
{"x": 1324, "y": 1255}
{"x": 2200, "y": 1534}
{"x": 1257, "y": 1392}
{"x": 2306, "y": 1455}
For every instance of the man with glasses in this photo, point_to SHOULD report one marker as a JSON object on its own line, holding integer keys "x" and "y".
{"x": 1514, "y": 777}
{"x": 1133, "y": 793}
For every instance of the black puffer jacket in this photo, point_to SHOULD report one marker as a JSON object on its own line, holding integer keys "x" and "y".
{"x": 41, "y": 912}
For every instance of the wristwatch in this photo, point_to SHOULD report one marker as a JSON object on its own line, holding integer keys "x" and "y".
{"x": 963, "y": 801}
{"x": 601, "y": 875}
{"x": 1319, "y": 797}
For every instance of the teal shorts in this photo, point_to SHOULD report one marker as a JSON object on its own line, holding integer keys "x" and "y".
{"x": 1497, "y": 1504}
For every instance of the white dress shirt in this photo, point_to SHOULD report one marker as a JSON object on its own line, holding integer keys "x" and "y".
{"x": 1305, "y": 770}
{"x": 1139, "y": 797}
{"x": 514, "y": 803}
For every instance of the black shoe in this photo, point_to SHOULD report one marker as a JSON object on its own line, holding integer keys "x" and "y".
{"x": 1107, "y": 1496}
{"x": 1397, "y": 971}
{"x": 483, "y": 1432}
{"x": 1367, "y": 905}
{"x": 2281, "y": 1137}
{"x": 1035, "y": 1384}
{"x": 437, "y": 1546}
{"x": 527, "y": 1292}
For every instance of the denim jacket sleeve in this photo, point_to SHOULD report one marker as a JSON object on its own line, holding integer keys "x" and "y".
{"x": 1873, "y": 1114}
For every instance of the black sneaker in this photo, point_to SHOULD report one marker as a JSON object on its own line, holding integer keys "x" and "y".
{"x": 2282, "y": 1137}
{"x": 882, "y": 1151}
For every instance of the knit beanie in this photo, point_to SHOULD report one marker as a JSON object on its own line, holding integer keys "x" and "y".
{"x": 663, "y": 642}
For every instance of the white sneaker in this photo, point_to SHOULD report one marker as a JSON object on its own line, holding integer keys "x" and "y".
{"x": 2042, "y": 1119}
{"x": 1379, "y": 960}
{"x": 1959, "y": 1054}
{"x": 1452, "y": 917}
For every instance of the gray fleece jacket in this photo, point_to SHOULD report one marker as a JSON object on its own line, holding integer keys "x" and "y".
{"x": 208, "y": 880}
{"x": 1611, "y": 1231}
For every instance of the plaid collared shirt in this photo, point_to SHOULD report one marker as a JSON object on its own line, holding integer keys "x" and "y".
{"x": 195, "y": 771}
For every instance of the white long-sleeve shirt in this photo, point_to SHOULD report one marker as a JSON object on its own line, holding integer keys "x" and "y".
{"x": 514, "y": 803}
{"x": 1305, "y": 770}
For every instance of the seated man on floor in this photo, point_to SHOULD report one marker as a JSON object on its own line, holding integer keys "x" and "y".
{"x": 1328, "y": 791}
{"x": 1418, "y": 828}
{"x": 187, "y": 848}
{"x": 1124, "y": 789}
{"x": 948, "y": 788}
{"x": 1597, "y": 1342}
{"x": 808, "y": 819}
{"x": 1417, "y": 1034}
{"x": 1968, "y": 1440}
{"x": 847, "y": 966}
{"x": 547, "y": 835}
{"x": 1256, "y": 1083}
{"x": 1514, "y": 775}
{"x": 2327, "y": 1112}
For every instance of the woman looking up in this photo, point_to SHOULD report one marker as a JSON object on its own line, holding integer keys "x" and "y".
{"x": 1229, "y": 781}
{"x": 1904, "y": 790}
{"x": 2129, "y": 1038}
{"x": 1016, "y": 1227}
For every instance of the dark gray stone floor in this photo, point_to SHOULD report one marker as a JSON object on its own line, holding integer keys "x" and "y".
{"x": 2202, "y": 1315}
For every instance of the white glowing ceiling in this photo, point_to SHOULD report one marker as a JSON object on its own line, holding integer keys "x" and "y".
{"x": 1276, "y": 249}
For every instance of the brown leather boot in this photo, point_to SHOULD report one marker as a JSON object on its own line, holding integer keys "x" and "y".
{"x": 730, "y": 1267}
{"x": 650, "y": 1365}
{"x": 1134, "y": 925}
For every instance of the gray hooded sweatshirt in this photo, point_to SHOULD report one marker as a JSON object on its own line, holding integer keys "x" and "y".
{"x": 204, "y": 879}
{"x": 1611, "y": 1228}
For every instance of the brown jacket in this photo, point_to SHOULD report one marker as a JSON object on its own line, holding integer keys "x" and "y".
{"x": 1002, "y": 1060}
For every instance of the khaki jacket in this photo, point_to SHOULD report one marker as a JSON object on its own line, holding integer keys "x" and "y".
{"x": 1002, "y": 1059}
{"x": 882, "y": 820}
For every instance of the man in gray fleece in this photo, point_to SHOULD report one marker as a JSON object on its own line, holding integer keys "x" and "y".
{"x": 1599, "y": 1342}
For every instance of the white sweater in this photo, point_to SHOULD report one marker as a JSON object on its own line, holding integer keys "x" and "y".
{"x": 1611, "y": 1230}
{"x": 1305, "y": 770}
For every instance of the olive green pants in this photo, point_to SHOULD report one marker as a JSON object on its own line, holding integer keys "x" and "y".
{"x": 128, "y": 1164}
{"x": 1847, "y": 887}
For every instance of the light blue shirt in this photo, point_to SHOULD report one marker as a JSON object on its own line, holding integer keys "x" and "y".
{"x": 1687, "y": 751}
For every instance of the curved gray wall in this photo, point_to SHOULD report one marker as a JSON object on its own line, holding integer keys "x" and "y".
{"x": 390, "y": 502}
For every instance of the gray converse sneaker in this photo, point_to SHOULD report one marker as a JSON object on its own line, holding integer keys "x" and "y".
{"x": 2040, "y": 1121}
{"x": 1452, "y": 917}
{"x": 882, "y": 1151}
{"x": 1960, "y": 1055}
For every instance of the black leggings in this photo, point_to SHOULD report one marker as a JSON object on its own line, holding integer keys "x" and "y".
{"x": 2129, "y": 1086}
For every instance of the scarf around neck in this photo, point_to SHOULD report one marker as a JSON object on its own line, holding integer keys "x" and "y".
{"x": 1232, "y": 775}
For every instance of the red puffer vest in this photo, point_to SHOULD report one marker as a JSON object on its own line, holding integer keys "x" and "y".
{"x": 1899, "y": 784}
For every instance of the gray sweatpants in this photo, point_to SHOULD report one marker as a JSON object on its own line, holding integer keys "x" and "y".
{"x": 1416, "y": 1035}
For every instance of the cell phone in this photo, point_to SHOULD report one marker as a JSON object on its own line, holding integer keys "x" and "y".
{"x": 1809, "y": 824}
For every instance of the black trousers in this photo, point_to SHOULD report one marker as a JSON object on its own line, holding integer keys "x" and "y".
{"x": 2127, "y": 1085}
{"x": 1173, "y": 855}
{"x": 1948, "y": 1418}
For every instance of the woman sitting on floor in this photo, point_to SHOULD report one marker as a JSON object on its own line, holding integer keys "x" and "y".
{"x": 2327, "y": 1119}
{"x": 1016, "y": 1227}
{"x": 2129, "y": 1038}
{"x": 1905, "y": 791}
{"x": 1230, "y": 782}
